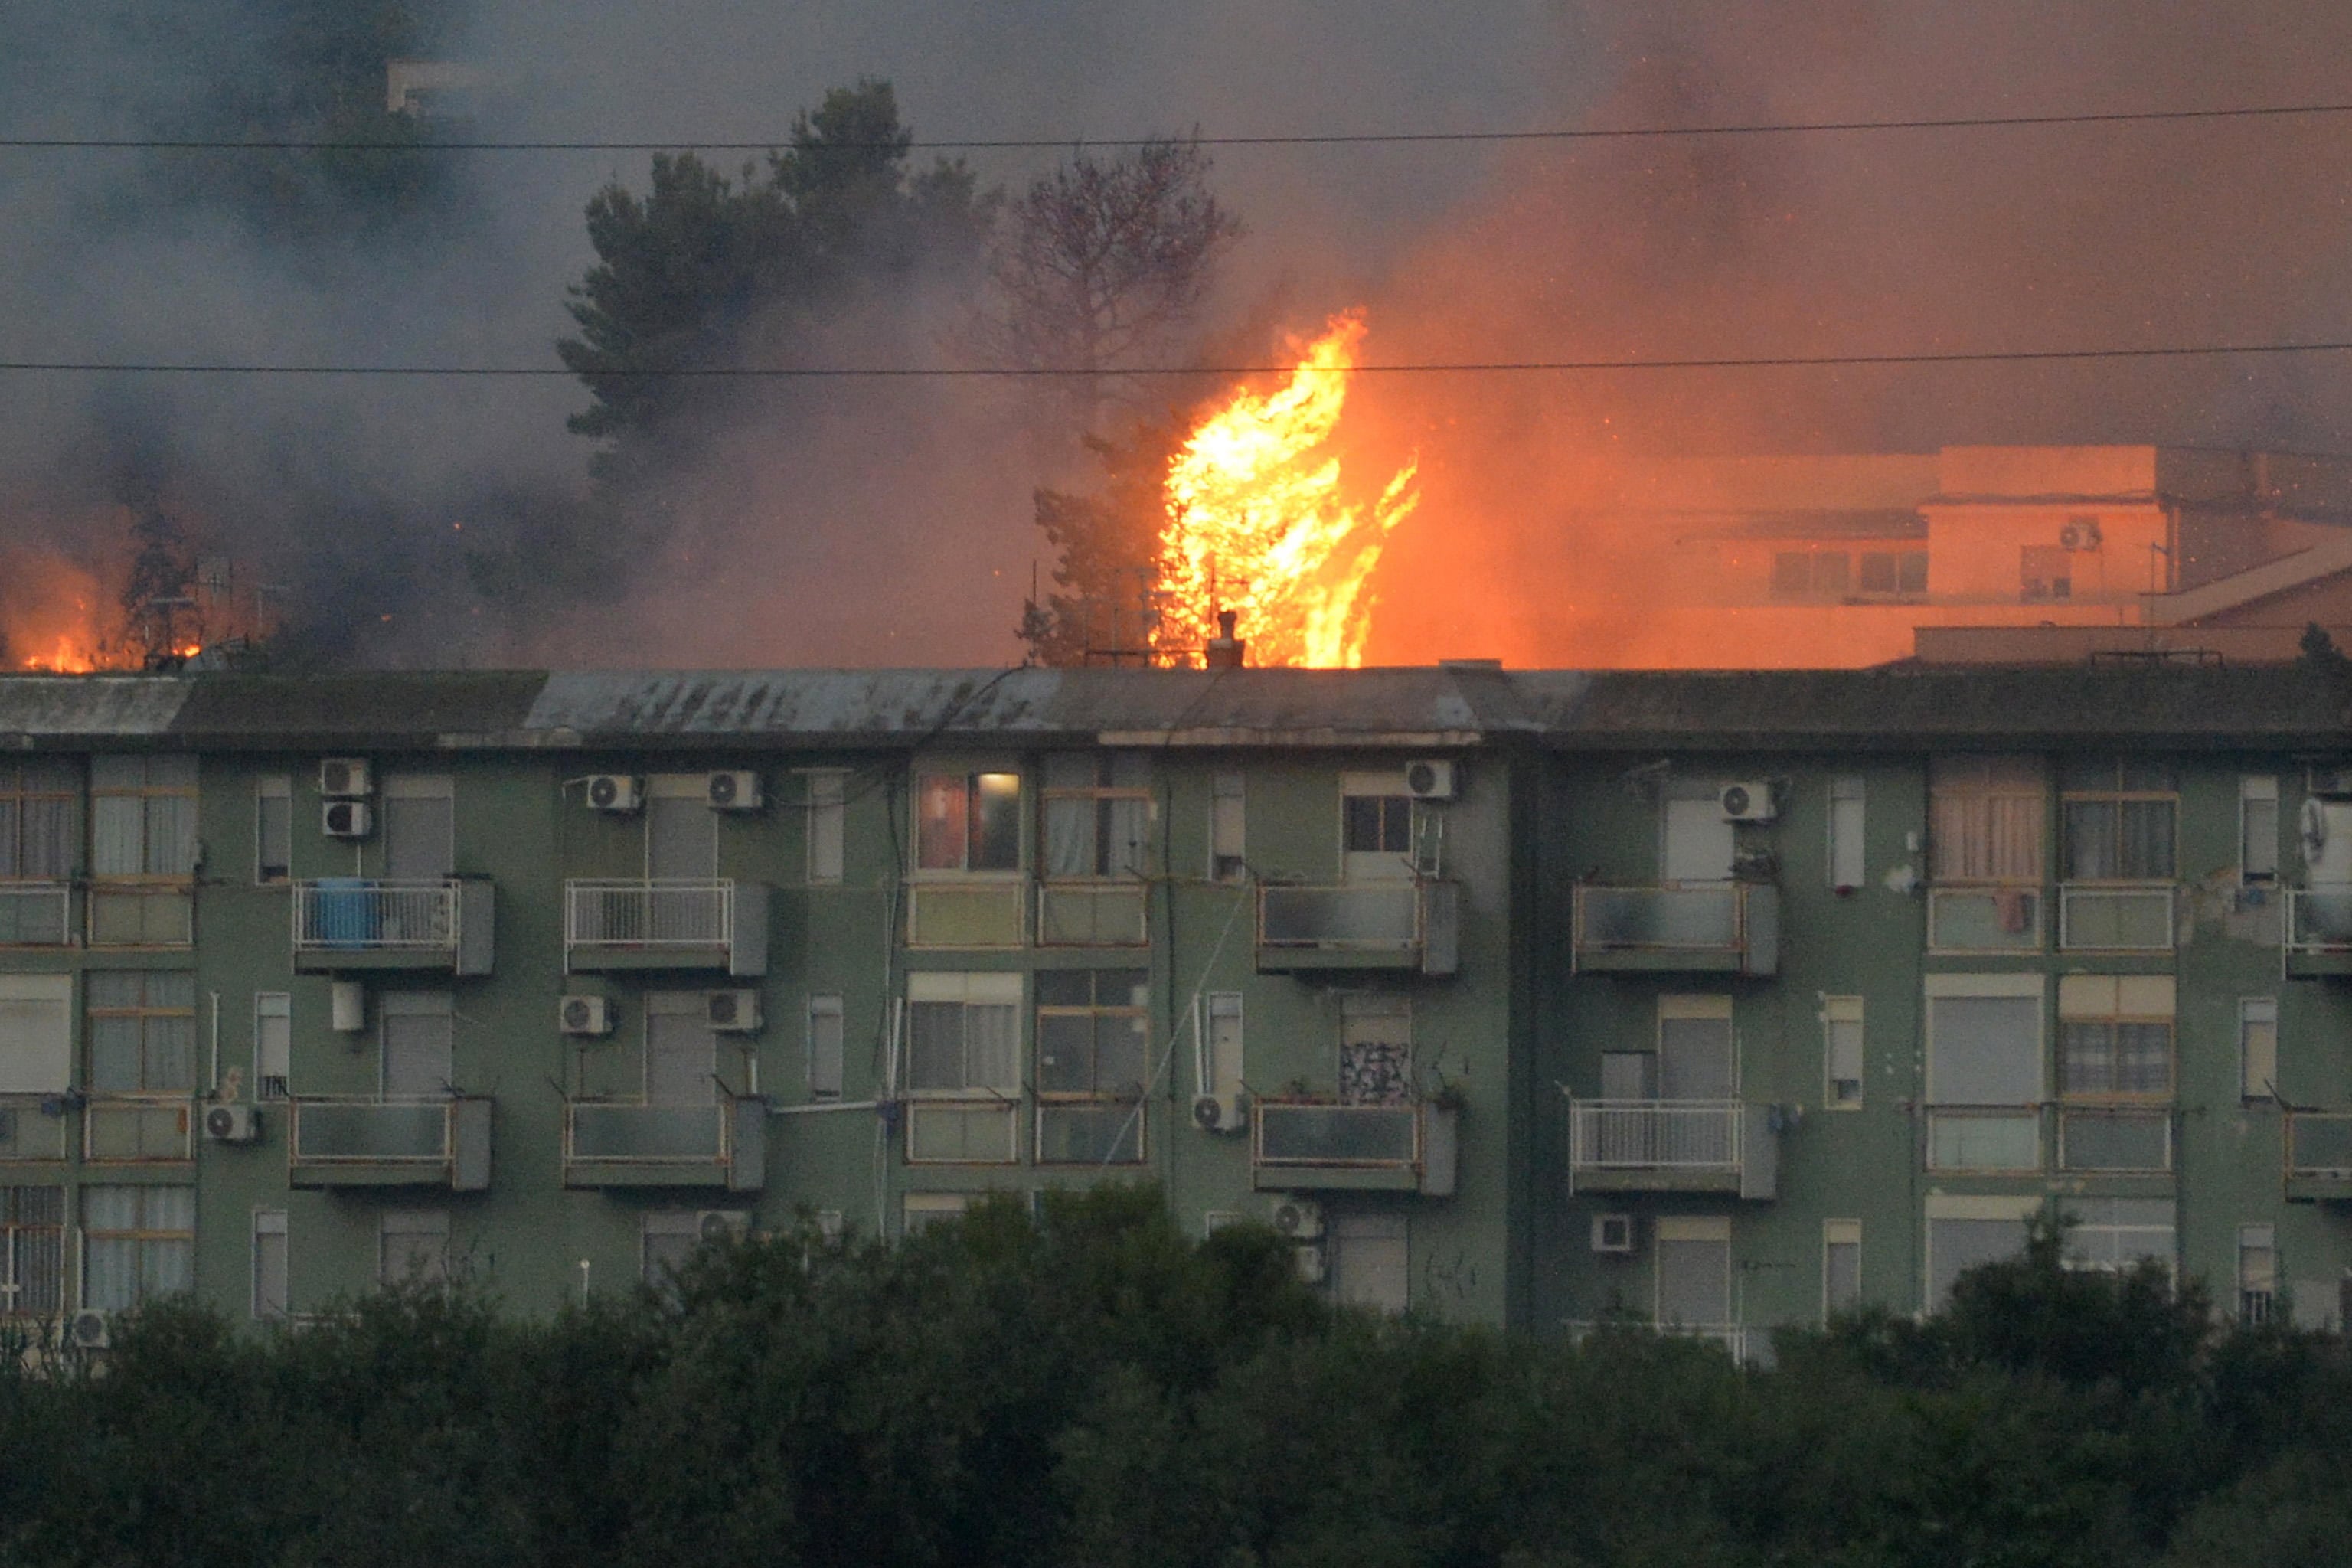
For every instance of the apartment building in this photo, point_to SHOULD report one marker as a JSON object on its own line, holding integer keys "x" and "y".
{"x": 1714, "y": 1001}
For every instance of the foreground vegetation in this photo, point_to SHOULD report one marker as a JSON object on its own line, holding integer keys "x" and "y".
{"x": 1089, "y": 1388}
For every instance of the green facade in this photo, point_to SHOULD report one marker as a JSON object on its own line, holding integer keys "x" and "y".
{"x": 1532, "y": 1034}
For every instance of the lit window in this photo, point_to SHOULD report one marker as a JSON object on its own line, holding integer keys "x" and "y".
{"x": 967, "y": 822}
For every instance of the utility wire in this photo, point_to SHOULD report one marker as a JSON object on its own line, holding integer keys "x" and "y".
{"x": 1423, "y": 367}
{"x": 1334, "y": 139}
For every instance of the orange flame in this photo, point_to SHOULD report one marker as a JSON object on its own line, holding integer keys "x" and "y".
{"x": 1259, "y": 523}
{"x": 60, "y": 617}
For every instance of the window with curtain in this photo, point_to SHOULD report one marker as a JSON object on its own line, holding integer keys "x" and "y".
{"x": 138, "y": 1243}
{"x": 2115, "y": 1036}
{"x": 963, "y": 1033}
{"x": 967, "y": 822}
{"x": 1097, "y": 811}
{"x": 142, "y": 817}
{"x": 1984, "y": 819}
{"x": 2118, "y": 823}
{"x": 142, "y": 1030}
{"x": 38, "y": 802}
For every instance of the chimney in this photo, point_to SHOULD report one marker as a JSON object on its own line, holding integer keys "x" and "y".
{"x": 1224, "y": 650}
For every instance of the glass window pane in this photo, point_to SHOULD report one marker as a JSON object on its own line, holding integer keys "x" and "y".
{"x": 941, "y": 805}
{"x": 1066, "y": 1049}
{"x": 993, "y": 1030}
{"x": 934, "y": 1032}
{"x": 1360, "y": 823}
{"x": 996, "y": 822}
{"x": 1984, "y": 1050}
{"x": 274, "y": 828}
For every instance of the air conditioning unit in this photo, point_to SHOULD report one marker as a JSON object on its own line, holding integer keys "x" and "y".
{"x": 615, "y": 792}
{"x": 89, "y": 1329}
{"x": 346, "y": 818}
{"x": 722, "y": 1224}
{"x": 2080, "y": 534}
{"x": 344, "y": 778}
{"x": 1220, "y": 1112}
{"x": 232, "y": 1123}
{"x": 1613, "y": 1232}
{"x": 1748, "y": 802}
{"x": 732, "y": 1012}
{"x": 1300, "y": 1219}
{"x": 738, "y": 791}
{"x": 1432, "y": 780}
{"x": 585, "y": 1016}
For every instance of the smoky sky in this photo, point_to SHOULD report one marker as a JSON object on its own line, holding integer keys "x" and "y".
{"x": 893, "y": 526}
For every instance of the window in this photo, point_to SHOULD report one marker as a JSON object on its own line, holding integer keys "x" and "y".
{"x": 681, "y": 1050}
{"x": 2258, "y": 829}
{"x": 1695, "y": 844}
{"x": 138, "y": 1243}
{"x": 1093, "y": 1039}
{"x": 1965, "y": 1230}
{"x": 420, "y": 828}
{"x": 1984, "y": 1072}
{"x": 924, "y": 1210}
{"x": 143, "y": 829}
{"x": 38, "y": 802}
{"x": 2257, "y": 1273}
{"x": 666, "y": 1239}
{"x": 963, "y": 1037}
{"x": 1375, "y": 826}
{"x": 32, "y": 1251}
{"x": 143, "y": 1031}
{"x": 825, "y": 1047}
{"x": 2258, "y": 1048}
{"x": 2045, "y": 572}
{"x": 1370, "y": 1261}
{"x": 2118, "y": 821}
{"x": 412, "y": 1246}
{"x": 1810, "y": 574}
{"x": 419, "y": 1031}
{"x": 269, "y": 1282}
{"x": 273, "y": 829}
{"x": 1375, "y": 1051}
{"x": 2115, "y": 1036}
{"x": 273, "y": 1044}
{"x": 1098, "y": 806}
{"x": 1889, "y": 574}
{"x": 1694, "y": 1278}
{"x": 2110, "y": 1236}
{"x": 1846, "y": 866}
{"x": 1222, "y": 1068}
{"x": 1841, "y": 1052}
{"x": 36, "y": 1033}
{"x": 1228, "y": 824}
{"x": 828, "y": 814}
{"x": 967, "y": 822}
{"x": 681, "y": 828}
{"x": 1841, "y": 1266}
{"x": 1984, "y": 817}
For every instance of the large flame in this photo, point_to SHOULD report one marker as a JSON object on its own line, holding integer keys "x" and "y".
{"x": 1260, "y": 523}
{"x": 60, "y": 617}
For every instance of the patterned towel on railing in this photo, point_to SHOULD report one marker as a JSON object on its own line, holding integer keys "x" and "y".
{"x": 1376, "y": 1072}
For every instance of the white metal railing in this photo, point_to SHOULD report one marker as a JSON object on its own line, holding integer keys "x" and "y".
{"x": 2318, "y": 1144}
{"x": 36, "y": 914}
{"x": 2115, "y": 920}
{"x": 367, "y": 915}
{"x": 648, "y": 914}
{"x": 1657, "y": 1134}
{"x": 614, "y": 1131}
{"x": 419, "y": 1131}
{"x": 1712, "y": 918}
{"x": 1318, "y": 1133}
{"x": 1366, "y": 917}
{"x": 1984, "y": 920}
{"x": 2319, "y": 920}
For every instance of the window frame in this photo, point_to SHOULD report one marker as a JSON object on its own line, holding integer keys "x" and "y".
{"x": 2254, "y": 1239}
{"x": 142, "y": 1239}
{"x": 1836, "y": 1233}
{"x": 1980, "y": 798}
{"x": 2251, "y": 793}
{"x": 1104, "y": 792}
{"x": 272, "y": 1223}
{"x": 14, "y": 1230}
{"x": 2118, "y": 798}
{"x": 1229, "y": 785}
{"x": 1386, "y": 787}
{"x": 1099, "y": 1097}
{"x": 267, "y": 788}
{"x": 438, "y": 1272}
{"x": 969, "y": 795}
{"x": 824, "y": 824}
{"x": 2141, "y": 1012}
{"x": 263, "y": 1091}
{"x": 1849, "y": 791}
{"x": 826, "y": 1005}
{"x": 2248, "y": 1008}
{"x": 145, "y": 1010}
{"x": 995, "y": 988}
{"x": 69, "y": 791}
{"x": 1837, "y": 1011}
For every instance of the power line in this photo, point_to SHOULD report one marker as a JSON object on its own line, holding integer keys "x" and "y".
{"x": 981, "y": 373}
{"x": 1334, "y": 139}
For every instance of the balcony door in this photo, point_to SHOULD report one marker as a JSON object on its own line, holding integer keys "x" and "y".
{"x": 420, "y": 828}
{"x": 1695, "y": 1273}
{"x": 1695, "y": 842}
{"x": 681, "y": 829}
{"x": 419, "y": 1036}
{"x": 681, "y": 1052}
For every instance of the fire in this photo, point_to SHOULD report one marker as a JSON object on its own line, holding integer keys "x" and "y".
{"x": 1259, "y": 521}
{"x": 60, "y": 616}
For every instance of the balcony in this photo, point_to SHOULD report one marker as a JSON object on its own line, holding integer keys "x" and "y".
{"x": 629, "y": 1143}
{"x": 1315, "y": 1145}
{"x": 1984, "y": 920}
{"x": 2318, "y": 932}
{"x": 2318, "y": 1155}
{"x": 1672, "y": 1146}
{"x": 1987, "y": 1139}
{"x": 1091, "y": 914}
{"x": 2115, "y": 1140}
{"x": 720, "y": 924}
{"x": 429, "y": 1143}
{"x": 1710, "y": 928}
{"x": 2115, "y": 920}
{"x": 34, "y": 1127}
{"x": 970, "y": 913}
{"x": 1404, "y": 927}
{"x": 37, "y": 915}
{"x": 130, "y": 1130}
{"x": 348, "y": 924}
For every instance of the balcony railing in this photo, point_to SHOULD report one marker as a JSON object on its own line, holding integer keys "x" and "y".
{"x": 1091, "y": 914}
{"x": 2115, "y": 920}
{"x": 1730, "y": 928}
{"x": 352, "y": 922}
{"x": 2318, "y": 1151}
{"x": 440, "y": 1142}
{"x": 2318, "y": 931}
{"x": 1984, "y": 920}
{"x": 975, "y": 911}
{"x": 135, "y": 1128}
{"x": 1410, "y": 926}
{"x": 2000, "y": 1138}
{"x": 1300, "y": 1144}
{"x": 34, "y": 1127}
{"x": 667, "y": 924}
{"x": 630, "y": 1143}
{"x": 1672, "y": 1145}
{"x": 36, "y": 914}
{"x": 2114, "y": 1139}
